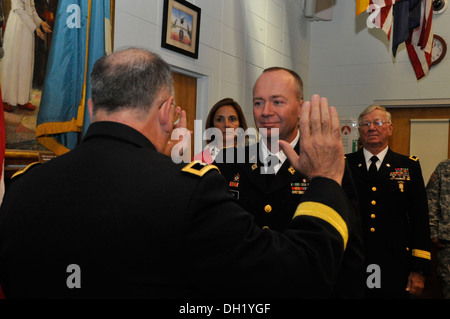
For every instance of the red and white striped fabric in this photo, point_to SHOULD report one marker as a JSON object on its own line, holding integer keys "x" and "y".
{"x": 420, "y": 41}
{"x": 382, "y": 14}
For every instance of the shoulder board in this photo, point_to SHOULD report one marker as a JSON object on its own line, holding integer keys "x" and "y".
{"x": 414, "y": 158}
{"x": 198, "y": 168}
{"x": 24, "y": 170}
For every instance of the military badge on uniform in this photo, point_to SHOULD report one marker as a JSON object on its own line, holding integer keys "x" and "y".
{"x": 400, "y": 174}
{"x": 300, "y": 188}
{"x": 291, "y": 170}
{"x": 235, "y": 181}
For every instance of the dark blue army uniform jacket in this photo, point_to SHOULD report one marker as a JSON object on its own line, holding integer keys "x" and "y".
{"x": 394, "y": 215}
{"x": 272, "y": 201}
{"x": 137, "y": 225}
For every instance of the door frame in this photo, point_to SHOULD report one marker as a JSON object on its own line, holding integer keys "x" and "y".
{"x": 202, "y": 102}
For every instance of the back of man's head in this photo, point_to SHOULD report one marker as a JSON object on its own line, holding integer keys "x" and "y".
{"x": 129, "y": 79}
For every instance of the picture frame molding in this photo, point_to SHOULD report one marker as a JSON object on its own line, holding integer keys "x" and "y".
{"x": 16, "y": 159}
{"x": 175, "y": 45}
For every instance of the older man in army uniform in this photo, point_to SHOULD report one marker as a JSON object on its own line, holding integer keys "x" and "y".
{"x": 438, "y": 193}
{"x": 394, "y": 209}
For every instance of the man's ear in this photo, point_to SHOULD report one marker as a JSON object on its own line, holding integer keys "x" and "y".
{"x": 391, "y": 129}
{"x": 166, "y": 115}
{"x": 300, "y": 105}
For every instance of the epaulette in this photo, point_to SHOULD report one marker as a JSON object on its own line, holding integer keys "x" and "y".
{"x": 414, "y": 158}
{"x": 198, "y": 168}
{"x": 24, "y": 170}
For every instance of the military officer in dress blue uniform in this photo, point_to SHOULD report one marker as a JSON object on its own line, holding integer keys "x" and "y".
{"x": 117, "y": 218}
{"x": 264, "y": 181}
{"x": 393, "y": 208}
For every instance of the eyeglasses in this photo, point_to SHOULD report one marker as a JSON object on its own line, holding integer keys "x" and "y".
{"x": 376, "y": 122}
{"x": 171, "y": 104}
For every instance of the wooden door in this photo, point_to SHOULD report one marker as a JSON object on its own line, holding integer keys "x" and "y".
{"x": 186, "y": 97}
{"x": 400, "y": 139}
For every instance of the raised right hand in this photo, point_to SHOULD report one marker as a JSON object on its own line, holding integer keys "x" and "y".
{"x": 321, "y": 148}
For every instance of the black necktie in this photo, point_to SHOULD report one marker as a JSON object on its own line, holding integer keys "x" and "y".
{"x": 373, "y": 167}
{"x": 271, "y": 162}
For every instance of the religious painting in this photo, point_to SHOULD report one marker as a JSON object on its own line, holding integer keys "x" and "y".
{"x": 28, "y": 34}
{"x": 23, "y": 66}
{"x": 32, "y": 31}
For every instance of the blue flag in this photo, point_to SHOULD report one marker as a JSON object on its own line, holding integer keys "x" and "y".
{"x": 406, "y": 18}
{"x": 78, "y": 41}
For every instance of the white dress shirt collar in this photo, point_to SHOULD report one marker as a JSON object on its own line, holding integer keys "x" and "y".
{"x": 265, "y": 153}
{"x": 381, "y": 156}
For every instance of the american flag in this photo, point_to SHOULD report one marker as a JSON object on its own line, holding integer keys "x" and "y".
{"x": 382, "y": 14}
{"x": 412, "y": 20}
{"x": 420, "y": 41}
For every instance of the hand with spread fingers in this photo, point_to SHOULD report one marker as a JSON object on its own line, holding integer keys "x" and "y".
{"x": 321, "y": 149}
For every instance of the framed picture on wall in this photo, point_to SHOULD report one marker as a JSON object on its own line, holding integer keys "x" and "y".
{"x": 181, "y": 27}
{"x": 23, "y": 94}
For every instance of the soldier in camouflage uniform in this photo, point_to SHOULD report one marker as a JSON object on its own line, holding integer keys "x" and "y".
{"x": 438, "y": 193}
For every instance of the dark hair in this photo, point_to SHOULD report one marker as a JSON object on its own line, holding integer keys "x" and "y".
{"x": 130, "y": 78}
{"x": 218, "y": 105}
{"x": 298, "y": 79}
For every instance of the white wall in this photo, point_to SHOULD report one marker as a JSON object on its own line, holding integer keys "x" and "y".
{"x": 353, "y": 65}
{"x": 238, "y": 39}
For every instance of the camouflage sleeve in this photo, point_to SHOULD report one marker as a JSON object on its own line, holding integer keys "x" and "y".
{"x": 433, "y": 191}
